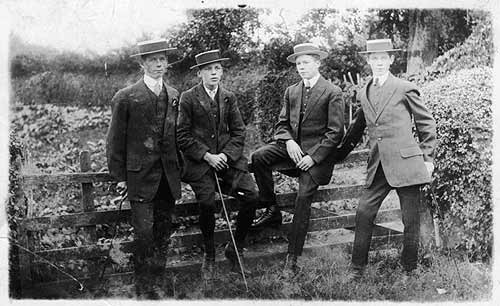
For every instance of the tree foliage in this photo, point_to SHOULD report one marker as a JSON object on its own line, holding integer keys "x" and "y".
{"x": 226, "y": 29}
{"x": 446, "y": 28}
{"x": 476, "y": 51}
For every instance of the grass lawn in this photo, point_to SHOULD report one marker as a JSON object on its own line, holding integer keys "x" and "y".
{"x": 323, "y": 277}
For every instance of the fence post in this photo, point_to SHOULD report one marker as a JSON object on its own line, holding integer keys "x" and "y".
{"x": 88, "y": 204}
{"x": 25, "y": 237}
{"x": 25, "y": 261}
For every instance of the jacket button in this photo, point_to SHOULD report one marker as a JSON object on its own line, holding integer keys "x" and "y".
{"x": 376, "y": 124}
{"x": 213, "y": 136}
{"x": 380, "y": 138}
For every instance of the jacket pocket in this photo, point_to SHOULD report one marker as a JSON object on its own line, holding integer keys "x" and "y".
{"x": 410, "y": 151}
{"x": 134, "y": 165}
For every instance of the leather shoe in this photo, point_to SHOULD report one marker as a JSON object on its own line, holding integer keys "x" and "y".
{"x": 208, "y": 268}
{"x": 230, "y": 254}
{"x": 271, "y": 217}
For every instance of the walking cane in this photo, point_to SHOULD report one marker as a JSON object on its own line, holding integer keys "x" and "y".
{"x": 230, "y": 230}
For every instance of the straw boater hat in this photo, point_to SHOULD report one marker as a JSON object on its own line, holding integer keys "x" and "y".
{"x": 208, "y": 57}
{"x": 153, "y": 46}
{"x": 379, "y": 45}
{"x": 306, "y": 48}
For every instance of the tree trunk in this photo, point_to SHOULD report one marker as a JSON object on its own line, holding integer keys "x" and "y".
{"x": 423, "y": 40}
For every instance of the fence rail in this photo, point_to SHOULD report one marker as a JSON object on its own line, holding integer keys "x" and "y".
{"x": 90, "y": 217}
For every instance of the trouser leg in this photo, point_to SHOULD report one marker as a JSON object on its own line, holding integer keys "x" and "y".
{"x": 204, "y": 190}
{"x": 302, "y": 214}
{"x": 262, "y": 160}
{"x": 164, "y": 205}
{"x": 142, "y": 221}
{"x": 426, "y": 226}
{"x": 368, "y": 207}
{"x": 151, "y": 223}
{"x": 409, "y": 198}
{"x": 244, "y": 189}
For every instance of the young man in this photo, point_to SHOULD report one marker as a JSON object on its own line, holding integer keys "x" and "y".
{"x": 309, "y": 129}
{"x": 211, "y": 135}
{"x": 142, "y": 157}
{"x": 389, "y": 106}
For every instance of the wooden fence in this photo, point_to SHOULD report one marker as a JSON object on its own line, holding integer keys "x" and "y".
{"x": 90, "y": 217}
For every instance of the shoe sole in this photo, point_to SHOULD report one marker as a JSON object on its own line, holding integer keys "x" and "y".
{"x": 274, "y": 225}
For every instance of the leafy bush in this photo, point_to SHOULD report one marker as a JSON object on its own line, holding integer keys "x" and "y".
{"x": 270, "y": 97}
{"x": 69, "y": 88}
{"x": 55, "y": 135}
{"x": 475, "y": 51}
{"x": 276, "y": 51}
{"x": 16, "y": 210}
{"x": 461, "y": 103}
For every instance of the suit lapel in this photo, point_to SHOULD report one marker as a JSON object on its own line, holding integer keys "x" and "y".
{"x": 145, "y": 95}
{"x": 204, "y": 100}
{"x": 170, "y": 95}
{"x": 364, "y": 96}
{"x": 171, "y": 108}
{"x": 317, "y": 91}
{"x": 295, "y": 96}
{"x": 387, "y": 94}
{"x": 223, "y": 97}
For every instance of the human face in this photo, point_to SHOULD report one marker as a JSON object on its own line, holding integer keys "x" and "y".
{"x": 211, "y": 74}
{"x": 307, "y": 66}
{"x": 380, "y": 62}
{"x": 155, "y": 64}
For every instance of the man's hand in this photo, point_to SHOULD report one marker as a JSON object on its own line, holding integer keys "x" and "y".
{"x": 305, "y": 163}
{"x": 224, "y": 157}
{"x": 122, "y": 189}
{"x": 216, "y": 161}
{"x": 294, "y": 151}
{"x": 430, "y": 167}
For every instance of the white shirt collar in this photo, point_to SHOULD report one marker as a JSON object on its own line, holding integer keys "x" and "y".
{"x": 381, "y": 78}
{"x": 151, "y": 83}
{"x": 312, "y": 81}
{"x": 211, "y": 93}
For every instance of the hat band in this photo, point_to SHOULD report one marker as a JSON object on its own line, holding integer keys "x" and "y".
{"x": 151, "y": 47}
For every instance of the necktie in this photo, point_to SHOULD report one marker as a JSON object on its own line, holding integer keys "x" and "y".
{"x": 157, "y": 88}
{"x": 307, "y": 85}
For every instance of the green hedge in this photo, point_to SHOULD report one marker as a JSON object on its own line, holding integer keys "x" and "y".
{"x": 70, "y": 89}
{"x": 461, "y": 103}
{"x": 269, "y": 99}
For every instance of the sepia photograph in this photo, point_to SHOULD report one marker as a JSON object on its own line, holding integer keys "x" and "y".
{"x": 331, "y": 151}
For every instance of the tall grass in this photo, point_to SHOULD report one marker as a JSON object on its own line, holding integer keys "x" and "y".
{"x": 323, "y": 276}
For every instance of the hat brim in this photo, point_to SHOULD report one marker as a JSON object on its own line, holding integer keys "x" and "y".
{"x": 168, "y": 50}
{"x": 210, "y": 62}
{"x": 387, "y": 50}
{"x": 293, "y": 57}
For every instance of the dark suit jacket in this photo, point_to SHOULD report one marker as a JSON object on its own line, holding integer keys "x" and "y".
{"x": 390, "y": 132}
{"x": 136, "y": 152}
{"x": 197, "y": 131}
{"x": 322, "y": 125}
